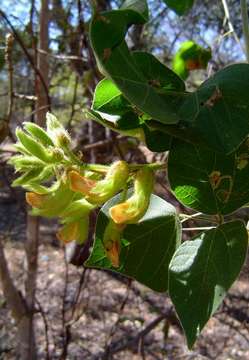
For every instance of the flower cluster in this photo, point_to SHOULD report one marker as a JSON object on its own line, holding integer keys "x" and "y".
{"x": 60, "y": 185}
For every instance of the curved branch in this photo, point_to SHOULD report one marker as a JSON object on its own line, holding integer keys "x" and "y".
{"x": 29, "y": 57}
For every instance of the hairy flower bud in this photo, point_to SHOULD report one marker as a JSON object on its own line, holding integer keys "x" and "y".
{"x": 25, "y": 163}
{"x": 111, "y": 242}
{"x": 133, "y": 209}
{"x": 74, "y": 231}
{"x": 98, "y": 192}
{"x": 27, "y": 177}
{"x": 57, "y": 132}
{"x": 33, "y": 146}
{"x": 38, "y": 133}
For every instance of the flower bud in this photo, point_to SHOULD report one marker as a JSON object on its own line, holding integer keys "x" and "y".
{"x": 20, "y": 148}
{"x": 25, "y": 163}
{"x": 27, "y": 177}
{"x": 111, "y": 242}
{"x": 133, "y": 209}
{"x": 98, "y": 192}
{"x": 74, "y": 231}
{"x": 33, "y": 146}
{"x": 57, "y": 155}
{"x": 57, "y": 132}
{"x": 38, "y": 133}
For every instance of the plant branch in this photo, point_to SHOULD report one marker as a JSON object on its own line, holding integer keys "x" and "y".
{"x": 245, "y": 25}
{"x": 8, "y": 58}
{"x": 12, "y": 295}
{"x": 133, "y": 167}
{"x": 29, "y": 57}
{"x": 229, "y": 22}
{"x": 199, "y": 228}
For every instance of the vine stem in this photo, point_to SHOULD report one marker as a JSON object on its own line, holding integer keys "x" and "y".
{"x": 133, "y": 167}
{"x": 245, "y": 25}
{"x": 230, "y": 24}
{"x": 197, "y": 216}
{"x": 199, "y": 228}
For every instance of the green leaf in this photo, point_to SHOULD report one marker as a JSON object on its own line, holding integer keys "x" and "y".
{"x": 149, "y": 91}
{"x": 179, "y": 6}
{"x": 157, "y": 73}
{"x": 132, "y": 126}
{"x": 190, "y": 56}
{"x": 156, "y": 140}
{"x": 138, "y": 6}
{"x": 176, "y": 131}
{"x": 207, "y": 181}
{"x": 109, "y": 99}
{"x": 27, "y": 177}
{"x": 202, "y": 271}
{"x": 146, "y": 247}
{"x": 219, "y": 109}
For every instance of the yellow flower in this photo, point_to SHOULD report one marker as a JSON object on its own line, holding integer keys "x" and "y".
{"x": 98, "y": 192}
{"x": 133, "y": 209}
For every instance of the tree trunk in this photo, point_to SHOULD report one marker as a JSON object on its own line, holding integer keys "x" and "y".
{"x": 18, "y": 309}
{"x": 32, "y": 241}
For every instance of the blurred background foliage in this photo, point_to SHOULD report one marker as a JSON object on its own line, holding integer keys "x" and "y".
{"x": 72, "y": 77}
{"x": 72, "y": 72}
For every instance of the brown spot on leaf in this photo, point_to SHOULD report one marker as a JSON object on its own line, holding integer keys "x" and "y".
{"x": 214, "y": 178}
{"x": 106, "y": 54}
{"x": 154, "y": 82}
{"x": 217, "y": 95}
{"x": 102, "y": 18}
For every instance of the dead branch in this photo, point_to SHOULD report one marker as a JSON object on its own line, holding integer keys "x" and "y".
{"x": 8, "y": 57}
{"x": 13, "y": 297}
{"x": 29, "y": 57}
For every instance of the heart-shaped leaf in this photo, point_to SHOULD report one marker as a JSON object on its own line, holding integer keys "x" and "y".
{"x": 146, "y": 247}
{"x": 156, "y": 140}
{"x": 207, "y": 181}
{"x": 179, "y": 6}
{"x": 201, "y": 272}
{"x": 109, "y": 99}
{"x": 219, "y": 109}
{"x": 149, "y": 91}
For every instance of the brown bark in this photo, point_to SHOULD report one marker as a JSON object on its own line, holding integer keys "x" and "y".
{"x": 32, "y": 241}
{"x": 19, "y": 309}
{"x": 42, "y": 65}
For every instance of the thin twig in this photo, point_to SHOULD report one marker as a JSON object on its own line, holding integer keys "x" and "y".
{"x": 77, "y": 294}
{"x": 199, "y": 228}
{"x": 65, "y": 327}
{"x": 25, "y": 97}
{"x": 120, "y": 345}
{"x": 29, "y": 57}
{"x": 8, "y": 59}
{"x": 229, "y": 22}
{"x": 245, "y": 25}
{"x": 73, "y": 102}
{"x": 46, "y": 327}
{"x": 114, "y": 327}
{"x": 63, "y": 56}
